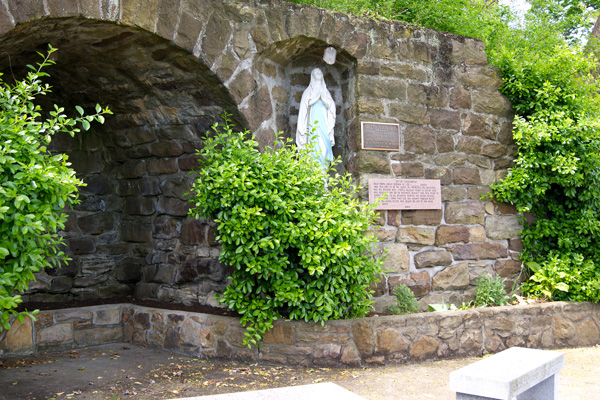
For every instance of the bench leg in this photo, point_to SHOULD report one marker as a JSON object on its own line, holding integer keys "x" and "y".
{"x": 546, "y": 390}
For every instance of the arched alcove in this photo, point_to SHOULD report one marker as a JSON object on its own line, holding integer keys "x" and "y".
{"x": 286, "y": 66}
{"x": 130, "y": 234}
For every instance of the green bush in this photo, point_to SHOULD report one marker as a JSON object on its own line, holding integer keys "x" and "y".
{"x": 35, "y": 186}
{"x": 564, "y": 278}
{"x": 490, "y": 291}
{"x": 406, "y": 303}
{"x": 295, "y": 238}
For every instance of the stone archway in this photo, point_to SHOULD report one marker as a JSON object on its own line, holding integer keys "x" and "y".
{"x": 130, "y": 233}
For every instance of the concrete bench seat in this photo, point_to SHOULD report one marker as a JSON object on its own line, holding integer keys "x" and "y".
{"x": 514, "y": 374}
{"x": 317, "y": 391}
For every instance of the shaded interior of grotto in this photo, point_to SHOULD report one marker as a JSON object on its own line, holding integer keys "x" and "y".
{"x": 130, "y": 235}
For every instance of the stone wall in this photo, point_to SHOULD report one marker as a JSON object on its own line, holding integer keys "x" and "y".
{"x": 368, "y": 341}
{"x": 169, "y": 68}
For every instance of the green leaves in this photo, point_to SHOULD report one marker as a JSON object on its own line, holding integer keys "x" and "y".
{"x": 298, "y": 247}
{"x": 35, "y": 185}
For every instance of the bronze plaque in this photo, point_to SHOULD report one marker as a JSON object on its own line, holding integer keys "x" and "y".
{"x": 406, "y": 194}
{"x": 380, "y": 136}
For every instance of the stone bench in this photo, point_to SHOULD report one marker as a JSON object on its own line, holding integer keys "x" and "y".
{"x": 318, "y": 391}
{"x": 514, "y": 374}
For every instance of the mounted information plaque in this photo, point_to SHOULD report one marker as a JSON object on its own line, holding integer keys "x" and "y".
{"x": 406, "y": 194}
{"x": 380, "y": 136}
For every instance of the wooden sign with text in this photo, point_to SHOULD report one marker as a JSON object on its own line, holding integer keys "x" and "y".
{"x": 380, "y": 136}
{"x": 406, "y": 194}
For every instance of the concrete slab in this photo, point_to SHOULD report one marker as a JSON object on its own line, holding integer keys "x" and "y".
{"x": 317, "y": 391}
{"x": 509, "y": 373}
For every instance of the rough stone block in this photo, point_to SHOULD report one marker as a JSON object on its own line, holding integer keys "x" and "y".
{"x": 19, "y": 338}
{"x": 416, "y": 235}
{"x": 443, "y": 174}
{"x": 466, "y": 176}
{"x": 419, "y": 283}
{"x": 6, "y": 24}
{"x": 188, "y": 31}
{"x": 24, "y": 11}
{"x": 450, "y": 159}
{"x": 452, "y": 278}
{"x": 281, "y": 333}
{"x": 421, "y": 217}
{"x": 95, "y": 336}
{"x": 480, "y": 251}
{"x": 193, "y": 232}
{"x": 372, "y": 86}
{"x": 370, "y": 106}
{"x": 506, "y": 268}
{"x": 166, "y": 227}
{"x": 168, "y": 11}
{"x": 129, "y": 269}
{"x": 428, "y": 95}
{"x": 432, "y": 258}
{"x": 409, "y": 113}
{"x": 409, "y": 170}
{"x": 493, "y": 150}
{"x": 390, "y": 341}
{"x": 468, "y": 213}
{"x": 469, "y": 145}
{"x": 451, "y": 234}
{"x": 139, "y": 205}
{"x": 397, "y": 258}
{"x": 502, "y": 226}
{"x": 588, "y": 334}
{"x": 491, "y": 102}
{"x": 59, "y": 333}
{"x": 424, "y": 347}
{"x": 139, "y": 231}
{"x": 444, "y": 119}
{"x": 419, "y": 140}
{"x": 373, "y": 162}
{"x": 363, "y": 337}
{"x": 460, "y": 98}
{"x": 444, "y": 143}
{"x": 106, "y": 317}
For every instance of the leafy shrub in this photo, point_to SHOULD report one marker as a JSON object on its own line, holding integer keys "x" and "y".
{"x": 406, "y": 303}
{"x": 297, "y": 246}
{"x": 490, "y": 291}
{"x": 35, "y": 186}
{"x": 564, "y": 278}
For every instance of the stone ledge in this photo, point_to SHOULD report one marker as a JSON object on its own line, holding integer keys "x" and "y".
{"x": 382, "y": 339}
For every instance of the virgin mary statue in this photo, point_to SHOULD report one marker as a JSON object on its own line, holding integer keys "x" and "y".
{"x": 317, "y": 112}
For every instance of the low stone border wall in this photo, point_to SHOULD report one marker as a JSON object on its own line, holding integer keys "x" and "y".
{"x": 375, "y": 340}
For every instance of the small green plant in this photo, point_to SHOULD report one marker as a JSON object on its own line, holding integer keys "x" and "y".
{"x": 295, "y": 237}
{"x": 35, "y": 186}
{"x": 449, "y": 307}
{"x": 441, "y": 307}
{"x": 563, "y": 278}
{"x": 490, "y": 291}
{"x": 406, "y": 303}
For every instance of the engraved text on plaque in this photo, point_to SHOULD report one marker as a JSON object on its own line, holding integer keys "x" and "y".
{"x": 380, "y": 136}
{"x": 406, "y": 194}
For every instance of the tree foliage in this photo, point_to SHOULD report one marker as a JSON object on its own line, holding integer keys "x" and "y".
{"x": 294, "y": 237}
{"x": 35, "y": 186}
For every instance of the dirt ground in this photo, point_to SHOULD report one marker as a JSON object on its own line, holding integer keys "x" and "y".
{"x": 124, "y": 371}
